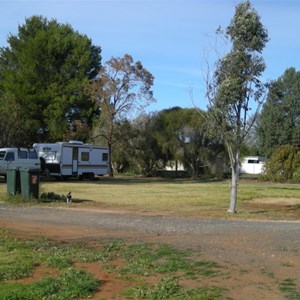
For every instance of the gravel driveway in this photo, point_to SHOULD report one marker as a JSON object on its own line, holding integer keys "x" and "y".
{"x": 188, "y": 231}
{"x": 284, "y": 231}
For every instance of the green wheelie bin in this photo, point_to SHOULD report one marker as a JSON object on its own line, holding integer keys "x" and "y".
{"x": 13, "y": 181}
{"x": 30, "y": 182}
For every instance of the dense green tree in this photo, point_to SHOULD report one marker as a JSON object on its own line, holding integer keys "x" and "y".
{"x": 284, "y": 165}
{"x": 147, "y": 156}
{"x": 45, "y": 68}
{"x": 122, "y": 87}
{"x": 184, "y": 138}
{"x": 135, "y": 148}
{"x": 122, "y": 150}
{"x": 166, "y": 129}
{"x": 235, "y": 85}
{"x": 13, "y": 129}
{"x": 279, "y": 121}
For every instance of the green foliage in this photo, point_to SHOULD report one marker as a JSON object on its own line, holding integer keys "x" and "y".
{"x": 179, "y": 136}
{"x": 44, "y": 69}
{"x": 16, "y": 259}
{"x": 289, "y": 287}
{"x": 236, "y": 79}
{"x": 279, "y": 122}
{"x": 208, "y": 268}
{"x": 173, "y": 136}
{"x": 70, "y": 284}
{"x": 136, "y": 150}
{"x": 13, "y": 127}
{"x": 143, "y": 259}
{"x": 245, "y": 30}
{"x": 284, "y": 165}
{"x": 169, "y": 288}
{"x": 52, "y": 197}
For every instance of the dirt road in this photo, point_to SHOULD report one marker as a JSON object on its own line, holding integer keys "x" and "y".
{"x": 260, "y": 255}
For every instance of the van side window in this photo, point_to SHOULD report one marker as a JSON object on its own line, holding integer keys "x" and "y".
{"x": 10, "y": 156}
{"x": 32, "y": 154}
{"x": 2, "y": 154}
{"x": 22, "y": 154}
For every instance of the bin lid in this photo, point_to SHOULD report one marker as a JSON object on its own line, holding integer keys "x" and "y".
{"x": 31, "y": 170}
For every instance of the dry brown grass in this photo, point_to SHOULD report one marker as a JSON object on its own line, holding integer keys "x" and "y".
{"x": 173, "y": 196}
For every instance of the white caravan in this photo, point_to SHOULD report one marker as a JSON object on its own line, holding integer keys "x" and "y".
{"x": 73, "y": 159}
{"x": 18, "y": 158}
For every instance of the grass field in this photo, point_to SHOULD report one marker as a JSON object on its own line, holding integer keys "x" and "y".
{"x": 179, "y": 196}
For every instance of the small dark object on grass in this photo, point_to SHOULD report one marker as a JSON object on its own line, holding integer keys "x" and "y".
{"x": 69, "y": 197}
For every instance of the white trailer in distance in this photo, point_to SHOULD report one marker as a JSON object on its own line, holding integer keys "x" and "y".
{"x": 64, "y": 160}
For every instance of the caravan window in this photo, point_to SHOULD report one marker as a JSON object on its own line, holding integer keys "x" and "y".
{"x": 85, "y": 156}
{"x": 51, "y": 155}
{"x": 104, "y": 156}
{"x": 253, "y": 161}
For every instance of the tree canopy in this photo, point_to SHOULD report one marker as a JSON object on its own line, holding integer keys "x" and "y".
{"x": 45, "y": 68}
{"x": 183, "y": 136}
{"x": 279, "y": 121}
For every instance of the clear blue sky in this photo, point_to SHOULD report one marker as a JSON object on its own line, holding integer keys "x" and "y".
{"x": 169, "y": 37}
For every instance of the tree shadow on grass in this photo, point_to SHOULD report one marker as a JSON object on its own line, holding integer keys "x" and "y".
{"x": 135, "y": 180}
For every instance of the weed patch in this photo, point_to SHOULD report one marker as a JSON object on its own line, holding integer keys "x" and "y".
{"x": 289, "y": 288}
{"x": 169, "y": 288}
{"x": 139, "y": 262}
{"x": 71, "y": 284}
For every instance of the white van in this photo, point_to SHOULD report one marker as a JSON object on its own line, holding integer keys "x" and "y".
{"x": 18, "y": 158}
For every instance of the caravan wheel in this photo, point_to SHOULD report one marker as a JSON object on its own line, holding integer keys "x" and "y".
{"x": 87, "y": 176}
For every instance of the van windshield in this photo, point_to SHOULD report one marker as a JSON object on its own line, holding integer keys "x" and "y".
{"x": 10, "y": 156}
{"x": 2, "y": 154}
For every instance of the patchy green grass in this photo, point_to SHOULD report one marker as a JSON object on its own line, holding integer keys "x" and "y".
{"x": 153, "y": 271}
{"x": 289, "y": 288}
{"x": 169, "y": 288}
{"x": 70, "y": 284}
{"x": 18, "y": 260}
{"x": 167, "y": 265}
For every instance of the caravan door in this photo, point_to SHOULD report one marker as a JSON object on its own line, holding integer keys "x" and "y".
{"x": 75, "y": 161}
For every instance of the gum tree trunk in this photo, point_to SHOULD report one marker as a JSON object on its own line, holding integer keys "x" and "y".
{"x": 235, "y": 175}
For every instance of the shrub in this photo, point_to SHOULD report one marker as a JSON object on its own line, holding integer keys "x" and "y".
{"x": 284, "y": 165}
